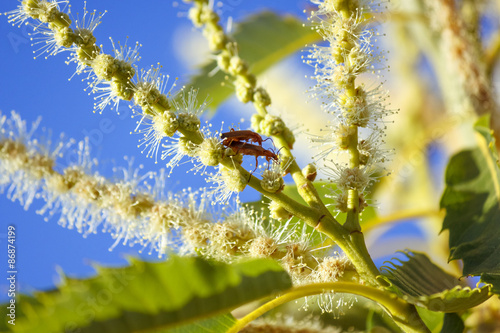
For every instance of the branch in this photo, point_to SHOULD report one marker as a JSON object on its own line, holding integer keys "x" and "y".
{"x": 404, "y": 314}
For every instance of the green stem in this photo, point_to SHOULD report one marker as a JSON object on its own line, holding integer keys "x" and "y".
{"x": 261, "y": 110}
{"x": 305, "y": 187}
{"x": 194, "y": 137}
{"x": 353, "y": 147}
{"x": 354, "y": 246}
{"x": 348, "y": 237}
{"x": 352, "y": 243}
{"x": 311, "y": 215}
{"x": 403, "y": 313}
{"x": 352, "y": 221}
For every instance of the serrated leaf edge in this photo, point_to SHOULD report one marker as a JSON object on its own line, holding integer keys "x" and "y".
{"x": 424, "y": 301}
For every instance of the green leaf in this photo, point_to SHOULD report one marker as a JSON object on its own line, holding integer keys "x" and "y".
{"x": 214, "y": 324}
{"x": 452, "y": 323}
{"x": 472, "y": 203}
{"x": 419, "y": 281}
{"x": 263, "y": 40}
{"x": 433, "y": 320}
{"x": 149, "y": 296}
{"x": 377, "y": 321}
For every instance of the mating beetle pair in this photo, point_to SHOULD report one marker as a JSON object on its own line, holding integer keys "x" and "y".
{"x": 236, "y": 141}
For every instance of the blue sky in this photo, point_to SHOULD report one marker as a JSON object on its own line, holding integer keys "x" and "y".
{"x": 34, "y": 87}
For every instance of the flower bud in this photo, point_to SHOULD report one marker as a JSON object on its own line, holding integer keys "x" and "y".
{"x": 87, "y": 54}
{"x": 261, "y": 97}
{"x": 347, "y": 6}
{"x": 166, "y": 123}
{"x": 278, "y": 212}
{"x": 255, "y": 121}
{"x": 262, "y": 247}
{"x": 187, "y": 147}
{"x": 357, "y": 60}
{"x": 210, "y": 152}
{"x": 122, "y": 89}
{"x": 353, "y": 178}
{"x": 272, "y": 125}
{"x": 104, "y": 66}
{"x": 272, "y": 181}
{"x": 84, "y": 38}
{"x": 310, "y": 172}
{"x": 124, "y": 69}
{"x": 244, "y": 92}
{"x": 196, "y": 234}
{"x": 216, "y": 38}
{"x": 237, "y": 66}
{"x": 208, "y": 16}
{"x": 233, "y": 179}
{"x": 64, "y": 37}
{"x": 194, "y": 15}
{"x": 248, "y": 79}
{"x": 188, "y": 121}
{"x": 47, "y": 12}
{"x": 332, "y": 269}
{"x": 224, "y": 60}
{"x": 30, "y": 7}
